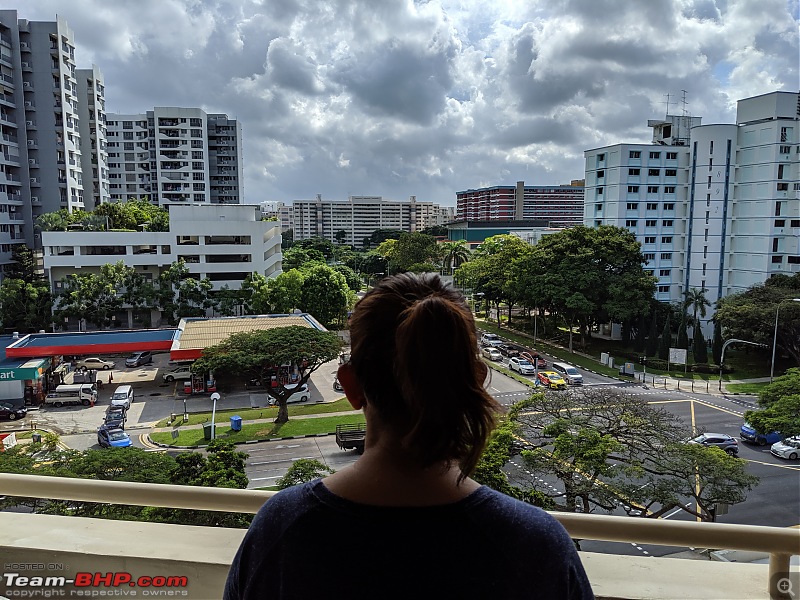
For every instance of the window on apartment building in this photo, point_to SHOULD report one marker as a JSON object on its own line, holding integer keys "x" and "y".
{"x": 710, "y": 163}
{"x": 778, "y": 209}
{"x": 601, "y": 157}
{"x": 774, "y": 244}
{"x": 667, "y": 222}
{"x": 633, "y": 189}
{"x": 652, "y": 189}
{"x": 708, "y": 183}
{"x": 652, "y": 206}
{"x": 197, "y": 176}
{"x": 708, "y": 199}
{"x": 663, "y": 272}
{"x": 650, "y": 240}
{"x": 193, "y": 122}
{"x": 197, "y": 155}
{"x": 197, "y": 166}
{"x": 705, "y": 251}
{"x": 794, "y": 223}
{"x": 780, "y": 222}
{"x": 706, "y": 237}
{"x": 783, "y": 187}
{"x": 672, "y": 156}
{"x": 670, "y": 172}
{"x": 632, "y": 206}
{"x": 196, "y": 133}
{"x": 648, "y": 256}
{"x": 667, "y": 239}
{"x": 777, "y": 259}
{"x": 653, "y": 172}
{"x": 663, "y": 289}
{"x": 598, "y": 207}
{"x": 127, "y": 124}
{"x": 704, "y": 269}
{"x": 784, "y": 134}
{"x": 711, "y": 147}
{"x": 630, "y": 223}
{"x": 197, "y": 143}
{"x": 708, "y": 214}
{"x": 702, "y": 284}
{"x": 793, "y": 260}
{"x": 199, "y": 197}
{"x": 633, "y": 172}
{"x": 128, "y": 146}
{"x": 601, "y": 174}
{"x": 669, "y": 206}
{"x": 650, "y": 223}
{"x": 655, "y": 155}
{"x": 785, "y": 149}
{"x": 600, "y": 191}
{"x": 127, "y": 135}
{"x": 597, "y": 223}
{"x": 199, "y": 187}
{"x": 666, "y": 256}
{"x": 649, "y": 272}
{"x": 669, "y": 189}
{"x": 634, "y": 154}
{"x": 129, "y": 156}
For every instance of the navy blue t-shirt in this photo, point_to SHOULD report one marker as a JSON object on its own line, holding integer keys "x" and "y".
{"x": 306, "y": 542}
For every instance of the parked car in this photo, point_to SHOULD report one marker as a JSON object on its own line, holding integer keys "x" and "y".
{"x": 490, "y": 339}
{"x": 115, "y": 417}
{"x": 788, "y": 448}
{"x": 139, "y": 358}
{"x": 301, "y": 394}
{"x": 94, "y": 362}
{"x": 721, "y": 440}
{"x": 552, "y": 380}
{"x": 509, "y": 350}
{"x": 11, "y": 412}
{"x": 113, "y": 438}
{"x": 184, "y": 372}
{"x": 748, "y": 434}
{"x": 521, "y": 365}
{"x": 123, "y": 396}
{"x": 491, "y": 353}
{"x": 336, "y": 385}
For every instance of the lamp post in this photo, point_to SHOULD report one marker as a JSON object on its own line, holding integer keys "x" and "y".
{"x": 214, "y": 397}
{"x": 775, "y": 336}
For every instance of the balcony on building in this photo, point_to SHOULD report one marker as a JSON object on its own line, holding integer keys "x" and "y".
{"x": 203, "y": 554}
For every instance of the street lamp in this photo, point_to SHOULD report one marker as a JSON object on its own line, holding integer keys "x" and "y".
{"x": 214, "y": 397}
{"x": 775, "y": 336}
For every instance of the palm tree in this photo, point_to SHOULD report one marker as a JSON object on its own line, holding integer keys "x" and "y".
{"x": 453, "y": 254}
{"x": 697, "y": 301}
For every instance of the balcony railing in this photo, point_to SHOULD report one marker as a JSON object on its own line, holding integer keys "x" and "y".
{"x": 205, "y": 553}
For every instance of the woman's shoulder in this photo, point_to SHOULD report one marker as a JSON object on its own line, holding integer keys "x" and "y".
{"x": 505, "y": 512}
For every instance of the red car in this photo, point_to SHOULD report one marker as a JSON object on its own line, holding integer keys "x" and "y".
{"x": 534, "y": 359}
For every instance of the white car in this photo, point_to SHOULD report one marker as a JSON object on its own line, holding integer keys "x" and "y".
{"x": 301, "y": 394}
{"x": 94, "y": 363}
{"x": 521, "y": 365}
{"x": 491, "y": 353}
{"x": 490, "y": 339}
{"x": 788, "y": 448}
{"x": 184, "y": 372}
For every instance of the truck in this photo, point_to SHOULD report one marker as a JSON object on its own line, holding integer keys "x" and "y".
{"x": 351, "y": 436}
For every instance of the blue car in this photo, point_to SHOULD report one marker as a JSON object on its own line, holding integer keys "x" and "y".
{"x": 748, "y": 434}
{"x": 112, "y": 438}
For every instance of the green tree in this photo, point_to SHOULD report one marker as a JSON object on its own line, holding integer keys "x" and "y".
{"x": 608, "y": 449}
{"x": 350, "y": 276}
{"x": 699, "y": 349}
{"x": 318, "y": 244}
{"x": 258, "y": 354}
{"x": 340, "y": 236}
{"x": 783, "y": 415}
{"x": 414, "y": 252}
{"x": 95, "y": 297}
{"x": 652, "y": 337}
{"x": 287, "y": 239}
{"x": 665, "y": 343}
{"x": 324, "y": 294}
{"x": 750, "y": 315}
{"x": 285, "y": 292}
{"x": 134, "y": 215}
{"x": 683, "y": 337}
{"x": 25, "y": 306}
{"x": 453, "y": 254}
{"x": 785, "y": 385}
{"x": 178, "y": 295}
{"x": 716, "y": 344}
{"x": 436, "y": 231}
{"x": 24, "y": 266}
{"x": 297, "y": 257}
{"x": 255, "y": 292}
{"x": 696, "y": 300}
{"x": 54, "y": 221}
{"x": 301, "y": 471}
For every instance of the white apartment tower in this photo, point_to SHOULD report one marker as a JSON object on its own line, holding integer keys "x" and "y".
{"x": 171, "y": 154}
{"x": 716, "y": 207}
{"x": 360, "y": 216}
{"x": 45, "y": 118}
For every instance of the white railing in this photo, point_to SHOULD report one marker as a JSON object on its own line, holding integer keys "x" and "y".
{"x": 780, "y": 543}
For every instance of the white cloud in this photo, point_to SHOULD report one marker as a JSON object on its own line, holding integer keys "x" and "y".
{"x": 403, "y": 97}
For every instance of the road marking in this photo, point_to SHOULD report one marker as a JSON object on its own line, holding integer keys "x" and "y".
{"x": 758, "y": 462}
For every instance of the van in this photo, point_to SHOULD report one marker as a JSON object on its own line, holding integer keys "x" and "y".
{"x": 569, "y": 373}
{"x": 122, "y": 396}
{"x": 85, "y": 394}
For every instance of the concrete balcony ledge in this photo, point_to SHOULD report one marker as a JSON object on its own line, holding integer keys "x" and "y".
{"x": 64, "y": 546}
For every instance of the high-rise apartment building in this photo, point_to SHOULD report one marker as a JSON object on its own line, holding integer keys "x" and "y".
{"x": 560, "y": 205}
{"x": 716, "y": 207}
{"x": 172, "y": 154}
{"x": 359, "y": 216}
{"x": 52, "y": 120}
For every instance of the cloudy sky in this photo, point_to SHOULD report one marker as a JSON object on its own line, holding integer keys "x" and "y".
{"x": 400, "y": 97}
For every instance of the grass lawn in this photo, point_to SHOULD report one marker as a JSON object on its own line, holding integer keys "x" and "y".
{"x": 746, "y": 388}
{"x": 250, "y": 414}
{"x": 258, "y": 431}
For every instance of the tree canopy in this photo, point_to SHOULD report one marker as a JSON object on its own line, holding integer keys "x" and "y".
{"x": 131, "y": 215}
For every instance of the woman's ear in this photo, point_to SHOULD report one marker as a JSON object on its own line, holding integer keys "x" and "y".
{"x": 352, "y": 387}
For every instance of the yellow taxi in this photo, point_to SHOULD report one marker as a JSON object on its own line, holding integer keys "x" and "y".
{"x": 552, "y": 380}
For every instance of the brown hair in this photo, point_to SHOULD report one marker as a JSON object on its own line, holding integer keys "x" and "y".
{"x": 414, "y": 351}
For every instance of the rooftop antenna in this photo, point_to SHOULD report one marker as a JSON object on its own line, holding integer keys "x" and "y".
{"x": 666, "y": 113}
{"x": 683, "y": 119}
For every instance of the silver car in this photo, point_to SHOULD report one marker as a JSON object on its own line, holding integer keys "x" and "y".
{"x": 788, "y": 448}
{"x": 521, "y": 365}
